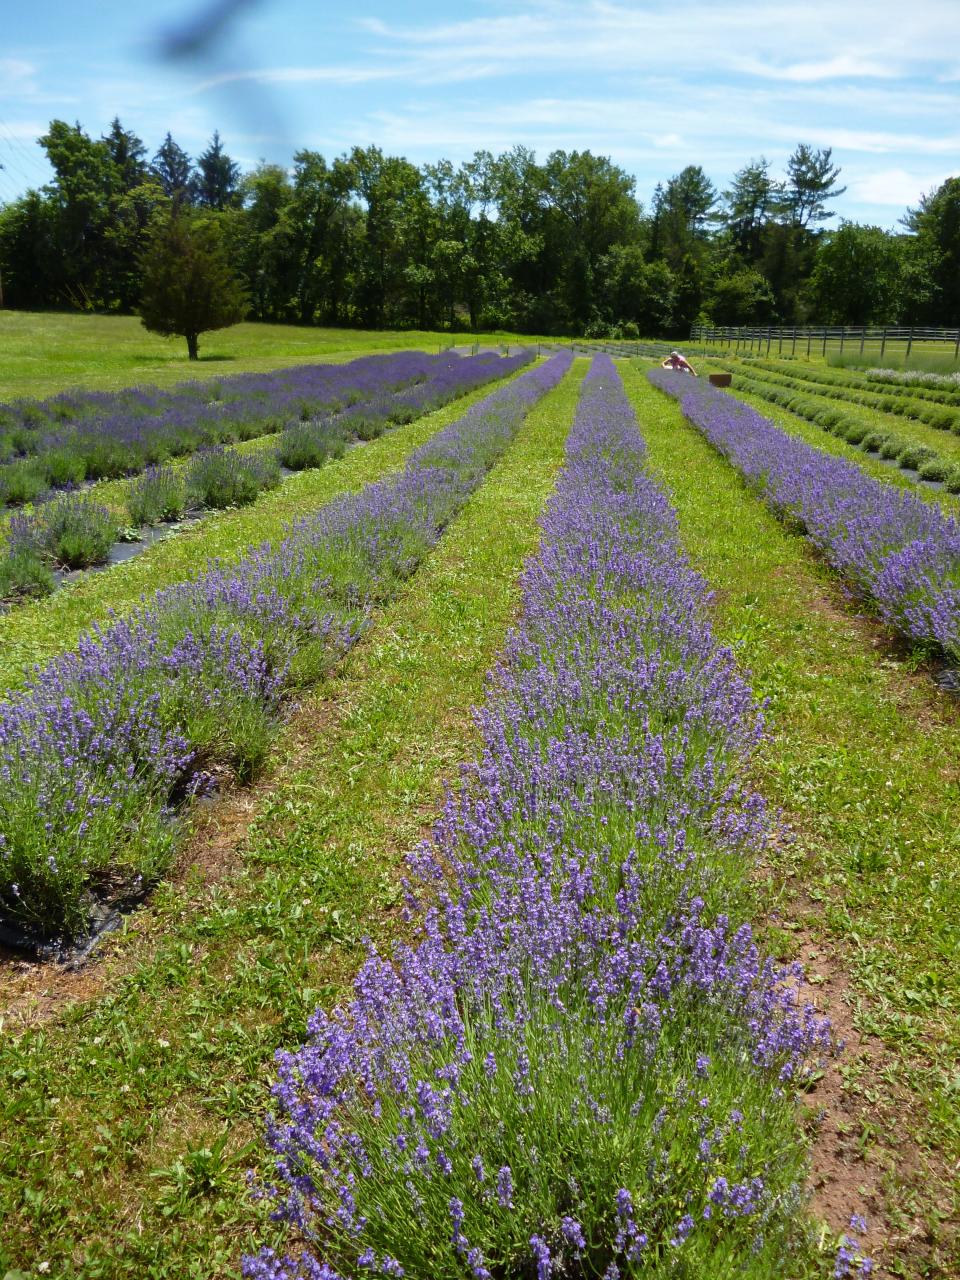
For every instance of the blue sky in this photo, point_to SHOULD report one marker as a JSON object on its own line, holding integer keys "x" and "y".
{"x": 654, "y": 85}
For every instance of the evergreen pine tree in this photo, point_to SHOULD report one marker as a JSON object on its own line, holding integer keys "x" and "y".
{"x": 189, "y": 286}
{"x": 128, "y": 154}
{"x": 173, "y": 170}
{"x": 216, "y": 183}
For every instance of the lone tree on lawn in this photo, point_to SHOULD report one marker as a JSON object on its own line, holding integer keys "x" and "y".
{"x": 189, "y": 286}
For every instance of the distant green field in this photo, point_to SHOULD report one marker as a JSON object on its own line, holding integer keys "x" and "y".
{"x": 41, "y": 353}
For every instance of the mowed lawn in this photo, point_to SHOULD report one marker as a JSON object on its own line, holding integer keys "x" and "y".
{"x": 42, "y": 353}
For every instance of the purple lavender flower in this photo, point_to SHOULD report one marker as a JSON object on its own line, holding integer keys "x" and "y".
{"x": 541, "y": 1255}
{"x": 575, "y": 934}
{"x": 901, "y": 552}
{"x": 101, "y": 741}
{"x": 573, "y": 1234}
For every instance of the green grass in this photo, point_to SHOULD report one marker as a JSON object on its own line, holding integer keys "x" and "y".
{"x": 128, "y": 1122}
{"x": 864, "y": 763}
{"x": 33, "y": 632}
{"x": 47, "y": 352}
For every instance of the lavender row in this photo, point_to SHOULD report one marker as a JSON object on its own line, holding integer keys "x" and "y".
{"x": 579, "y": 1068}
{"x": 101, "y": 436}
{"x": 105, "y": 743}
{"x": 901, "y": 552}
{"x": 74, "y": 531}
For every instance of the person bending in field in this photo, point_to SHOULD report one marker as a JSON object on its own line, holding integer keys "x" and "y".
{"x": 676, "y": 361}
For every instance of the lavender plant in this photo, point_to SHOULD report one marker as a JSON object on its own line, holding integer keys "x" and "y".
{"x": 902, "y": 553}
{"x": 23, "y": 573}
{"x": 98, "y": 435}
{"x": 21, "y": 482}
{"x": 71, "y": 531}
{"x": 156, "y": 496}
{"x": 310, "y": 444}
{"x": 579, "y": 1067}
{"x": 219, "y": 477}
{"x": 97, "y": 752}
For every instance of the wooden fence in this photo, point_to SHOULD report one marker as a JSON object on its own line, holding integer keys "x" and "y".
{"x": 818, "y": 339}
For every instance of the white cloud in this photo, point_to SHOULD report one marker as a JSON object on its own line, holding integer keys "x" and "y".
{"x": 15, "y": 73}
{"x": 840, "y": 67}
{"x": 894, "y": 187}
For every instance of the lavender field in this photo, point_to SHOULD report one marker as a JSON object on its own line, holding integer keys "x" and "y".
{"x": 524, "y": 849}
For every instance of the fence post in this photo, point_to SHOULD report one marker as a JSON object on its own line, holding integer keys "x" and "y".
{"x": 909, "y": 347}
{"x": 769, "y": 336}
{"x": 956, "y": 349}
{"x": 780, "y": 344}
{"x": 794, "y": 351}
{"x": 824, "y": 352}
{"x": 883, "y": 344}
{"x": 809, "y": 340}
{"x": 863, "y": 338}
{"x": 843, "y": 334}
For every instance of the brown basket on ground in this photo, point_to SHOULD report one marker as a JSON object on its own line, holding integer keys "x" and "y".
{"x": 721, "y": 379}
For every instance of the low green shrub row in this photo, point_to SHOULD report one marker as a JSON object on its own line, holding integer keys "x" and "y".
{"x": 938, "y": 408}
{"x": 888, "y": 444}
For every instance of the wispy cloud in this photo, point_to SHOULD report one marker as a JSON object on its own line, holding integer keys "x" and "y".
{"x": 296, "y": 75}
{"x": 735, "y": 37}
{"x": 841, "y": 67}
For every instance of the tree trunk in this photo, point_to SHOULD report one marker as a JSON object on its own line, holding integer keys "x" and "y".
{"x": 192, "y": 340}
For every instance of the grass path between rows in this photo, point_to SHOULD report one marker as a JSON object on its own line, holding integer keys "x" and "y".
{"x": 864, "y": 882}
{"x": 127, "y": 1121}
{"x": 30, "y": 633}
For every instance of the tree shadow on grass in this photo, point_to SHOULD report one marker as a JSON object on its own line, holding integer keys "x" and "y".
{"x": 157, "y": 358}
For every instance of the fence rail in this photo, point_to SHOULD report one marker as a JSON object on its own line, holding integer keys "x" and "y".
{"x": 811, "y": 338}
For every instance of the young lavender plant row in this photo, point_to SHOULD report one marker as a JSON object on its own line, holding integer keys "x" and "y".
{"x": 87, "y": 436}
{"x": 929, "y": 463}
{"x": 104, "y": 743}
{"x": 581, "y": 1066}
{"x": 902, "y": 553}
{"x": 217, "y": 477}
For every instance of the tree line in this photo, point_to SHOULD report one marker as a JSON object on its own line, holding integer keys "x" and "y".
{"x": 498, "y": 242}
